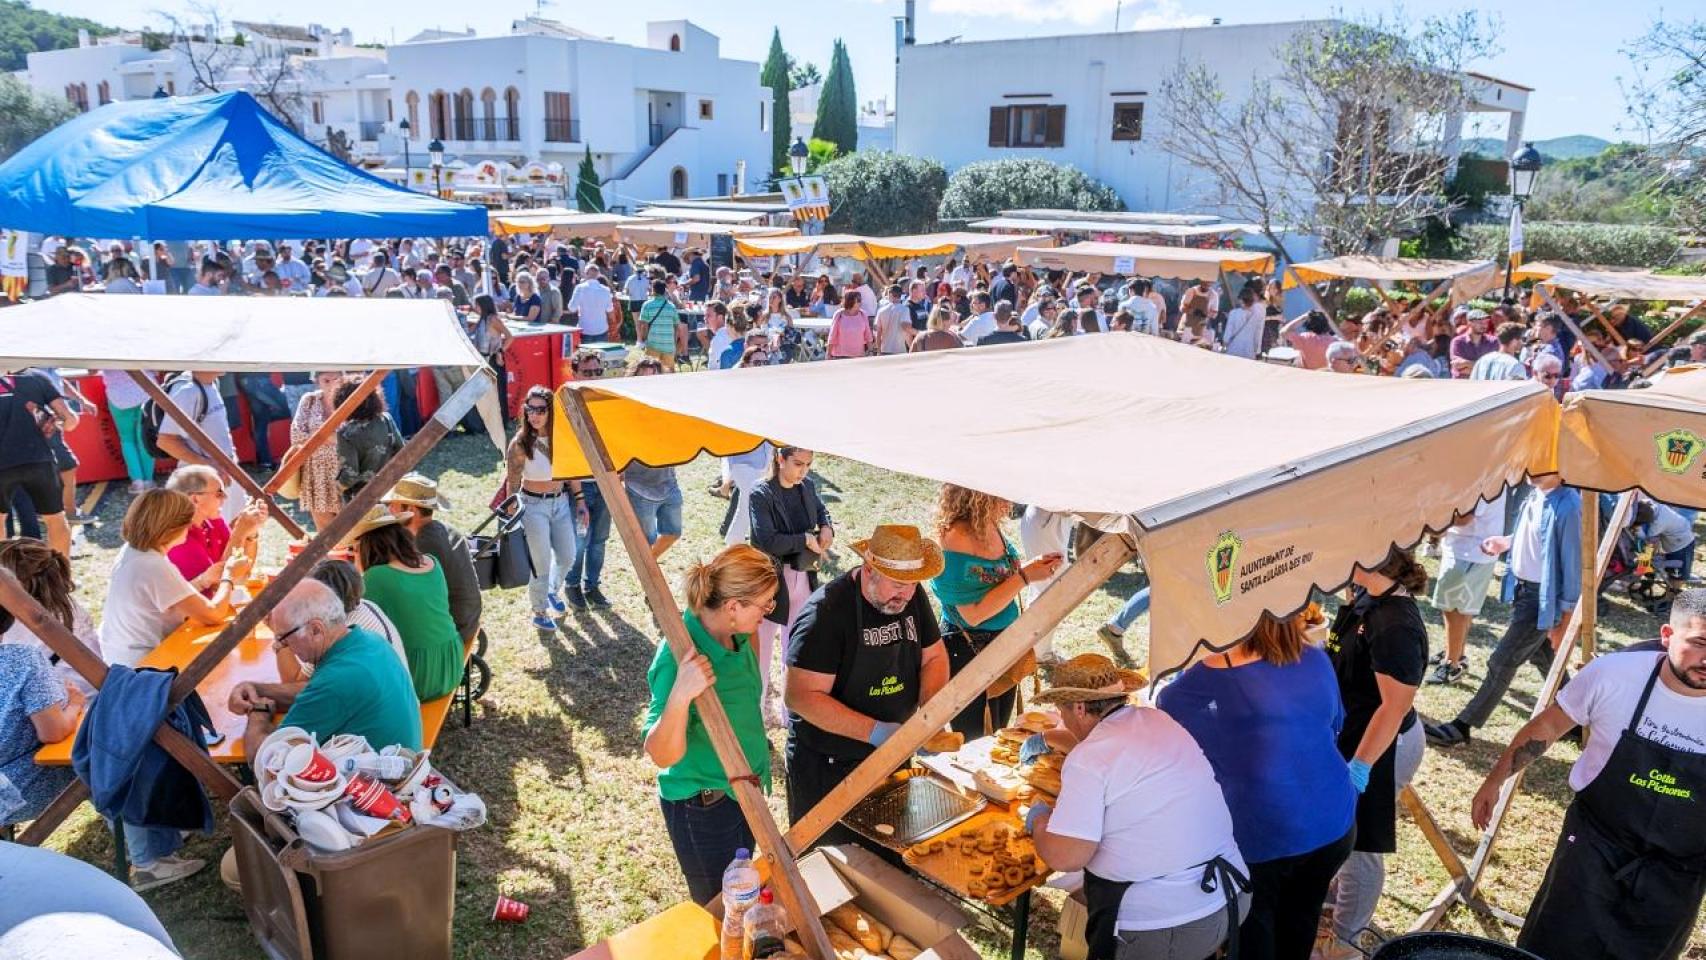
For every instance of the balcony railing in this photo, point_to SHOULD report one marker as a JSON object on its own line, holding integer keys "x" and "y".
{"x": 371, "y": 129}
{"x": 562, "y": 131}
{"x": 656, "y": 133}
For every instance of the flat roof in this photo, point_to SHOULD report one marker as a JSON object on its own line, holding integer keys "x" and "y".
{"x": 1492, "y": 79}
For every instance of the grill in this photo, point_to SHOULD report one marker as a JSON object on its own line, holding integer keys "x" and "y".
{"x": 917, "y": 807}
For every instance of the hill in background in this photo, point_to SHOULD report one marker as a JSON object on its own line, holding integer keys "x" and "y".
{"x": 25, "y": 30}
{"x": 1558, "y": 148}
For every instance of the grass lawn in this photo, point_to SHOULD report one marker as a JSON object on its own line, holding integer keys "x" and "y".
{"x": 575, "y": 829}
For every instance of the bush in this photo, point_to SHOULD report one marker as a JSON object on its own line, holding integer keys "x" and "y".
{"x": 1589, "y": 243}
{"x": 986, "y": 188}
{"x": 883, "y": 194}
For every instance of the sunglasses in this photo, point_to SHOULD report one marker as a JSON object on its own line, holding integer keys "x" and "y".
{"x": 534, "y": 408}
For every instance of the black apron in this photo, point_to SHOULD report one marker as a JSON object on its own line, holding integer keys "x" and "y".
{"x": 880, "y": 681}
{"x": 1102, "y": 899}
{"x": 1377, "y": 805}
{"x": 1629, "y": 870}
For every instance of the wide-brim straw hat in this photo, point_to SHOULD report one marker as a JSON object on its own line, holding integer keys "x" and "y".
{"x": 416, "y": 491}
{"x": 1090, "y": 676}
{"x": 376, "y": 518}
{"x": 901, "y": 553}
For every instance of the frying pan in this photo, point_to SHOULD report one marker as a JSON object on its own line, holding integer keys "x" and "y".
{"x": 1447, "y": 946}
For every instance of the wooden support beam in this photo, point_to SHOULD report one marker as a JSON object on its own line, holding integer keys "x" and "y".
{"x": 1581, "y": 338}
{"x": 221, "y": 460}
{"x": 62, "y": 806}
{"x": 1424, "y": 820}
{"x": 1659, "y": 362}
{"x": 300, "y": 455}
{"x": 1086, "y": 575}
{"x": 1588, "y": 606}
{"x": 1554, "y": 679}
{"x": 796, "y": 898}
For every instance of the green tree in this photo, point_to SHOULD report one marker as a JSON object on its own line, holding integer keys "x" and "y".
{"x": 987, "y": 187}
{"x": 26, "y": 114}
{"x": 775, "y": 76}
{"x": 838, "y": 106}
{"x": 802, "y": 74}
{"x": 882, "y": 194}
{"x": 25, "y": 30}
{"x": 818, "y": 153}
{"x": 589, "y": 196}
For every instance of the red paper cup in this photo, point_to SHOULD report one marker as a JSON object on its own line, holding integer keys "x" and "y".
{"x": 307, "y": 763}
{"x": 372, "y": 798}
{"x": 509, "y": 911}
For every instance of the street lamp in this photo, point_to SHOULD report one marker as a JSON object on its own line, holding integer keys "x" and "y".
{"x": 1525, "y": 167}
{"x": 404, "y": 126}
{"x": 798, "y": 154}
{"x": 435, "y": 150}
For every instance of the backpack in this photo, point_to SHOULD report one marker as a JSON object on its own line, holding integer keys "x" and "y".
{"x": 153, "y": 415}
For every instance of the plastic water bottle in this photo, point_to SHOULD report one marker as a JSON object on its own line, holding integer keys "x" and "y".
{"x": 766, "y": 925}
{"x": 740, "y": 894}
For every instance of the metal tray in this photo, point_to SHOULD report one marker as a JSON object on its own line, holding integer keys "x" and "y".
{"x": 952, "y": 869}
{"x": 917, "y": 807}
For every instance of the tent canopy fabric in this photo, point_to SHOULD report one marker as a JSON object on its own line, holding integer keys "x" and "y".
{"x": 1115, "y": 227}
{"x": 1621, "y": 283}
{"x": 1614, "y": 440}
{"x": 972, "y": 246}
{"x": 559, "y": 222}
{"x": 215, "y": 166}
{"x": 238, "y": 334}
{"x": 1386, "y": 270}
{"x": 660, "y": 234}
{"x": 1145, "y": 260}
{"x": 704, "y": 215}
{"x": 1247, "y": 483}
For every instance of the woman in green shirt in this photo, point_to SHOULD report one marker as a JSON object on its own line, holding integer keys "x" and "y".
{"x": 411, "y": 589}
{"x": 726, "y": 599}
{"x": 978, "y": 590}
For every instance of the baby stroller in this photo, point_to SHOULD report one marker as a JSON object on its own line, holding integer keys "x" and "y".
{"x": 1651, "y": 579}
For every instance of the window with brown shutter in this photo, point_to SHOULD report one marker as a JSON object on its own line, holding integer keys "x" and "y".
{"x": 998, "y": 126}
{"x": 1054, "y": 131}
{"x": 1128, "y": 121}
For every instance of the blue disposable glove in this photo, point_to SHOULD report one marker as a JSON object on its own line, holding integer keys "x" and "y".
{"x": 1037, "y": 812}
{"x": 1032, "y": 748}
{"x": 1359, "y": 775}
{"x": 881, "y": 731}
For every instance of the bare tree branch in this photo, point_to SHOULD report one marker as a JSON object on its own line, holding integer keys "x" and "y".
{"x": 270, "y": 74}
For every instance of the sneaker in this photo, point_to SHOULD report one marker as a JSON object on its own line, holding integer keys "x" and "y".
{"x": 138, "y": 487}
{"x": 1450, "y": 734}
{"x": 543, "y": 621}
{"x": 575, "y": 597}
{"x": 1115, "y": 639}
{"x": 595, "y": 598}
{"x": 163, "y": 871}
{"x": 1448, "y": 672}
{"x": 80, "y": 518}
{"x": 1437, "y": 658}
{"x": 557, "y": 605}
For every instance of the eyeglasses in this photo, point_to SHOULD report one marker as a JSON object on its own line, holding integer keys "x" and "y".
{"x": 219, "y": 492}
{"x": 278, "y": 641}
{"x": 533, "y": 408}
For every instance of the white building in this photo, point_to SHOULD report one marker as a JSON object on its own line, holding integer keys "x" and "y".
{"x": 876, "y": 120}
{"x": 1090, "y": 100}
{"x": 670, "y": 119}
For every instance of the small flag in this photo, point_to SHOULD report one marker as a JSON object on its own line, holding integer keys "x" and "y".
{"x": 1516, "y": 236}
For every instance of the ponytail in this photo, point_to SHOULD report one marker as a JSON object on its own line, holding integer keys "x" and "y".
{"x": 1402, "y": 568}
{"x": 740, "y": 572}
{"x": 777, "y": 455}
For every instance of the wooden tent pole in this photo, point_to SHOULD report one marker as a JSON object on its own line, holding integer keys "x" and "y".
{"x": 796, "y": 898}
{"x": 211, "y": 450}
{"x": 1581, "y": 338}
{"x": 1590, "y": 574}
{"x": 1086, "y": 574}
{"x": 300, "y": 456}
{"x": 1659, "y": 362}
{"x": 1554, "y": 677}
{"x": 1595, "y": 314}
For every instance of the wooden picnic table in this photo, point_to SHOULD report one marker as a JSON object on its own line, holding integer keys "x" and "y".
{"x": 252, "y": 660}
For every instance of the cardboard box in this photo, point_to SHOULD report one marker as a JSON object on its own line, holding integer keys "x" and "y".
{"x": 851, "y": 874}
{"x": 1074, "y": 918}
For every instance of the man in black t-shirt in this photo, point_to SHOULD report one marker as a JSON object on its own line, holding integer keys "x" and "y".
{"x": 863, "y": 654}
{"x": 30, "y": 408}
{"x": 917, "y": 305}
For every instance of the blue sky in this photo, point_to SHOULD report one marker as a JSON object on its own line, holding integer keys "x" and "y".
{"x": 1569, "y": 50}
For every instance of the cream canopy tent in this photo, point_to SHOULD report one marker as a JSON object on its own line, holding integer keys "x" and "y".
{"x": 971, "y": 246}
{"x": 1616, "y": 283}
{"x": 558, "y": 221}
{"x": 1145, "y": 260}
{"x": 1180, "y": 447}
{"x": 660, "y": 234}
{"x": 1468, "y": 278}
{"x": 704, "y": 215}
{"x": 1616, "y": 440}
{"x": 1179, "y": 231}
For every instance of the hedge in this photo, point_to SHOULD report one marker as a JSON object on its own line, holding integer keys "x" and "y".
{"x": 1612, "y": 245}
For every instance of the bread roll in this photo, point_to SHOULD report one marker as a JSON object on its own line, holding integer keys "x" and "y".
{"x": 901, "y": 948}
{"x": 945, "y": 741}
{"x": 858, "y": 924}
{"x": 845, "y": 947}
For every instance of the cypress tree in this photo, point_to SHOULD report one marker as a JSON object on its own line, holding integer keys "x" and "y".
{"x": 838, "y": 106}
{"x": 775, "y": 76}
{"x": 589, "y": 196}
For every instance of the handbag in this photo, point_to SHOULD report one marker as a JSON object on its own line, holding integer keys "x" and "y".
{"x": 501, "y": 561}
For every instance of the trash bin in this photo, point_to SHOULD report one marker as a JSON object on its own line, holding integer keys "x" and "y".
{"x": 393, "y": 896}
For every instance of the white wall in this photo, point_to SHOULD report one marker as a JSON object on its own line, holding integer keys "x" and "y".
{"x": 947, "y": 90}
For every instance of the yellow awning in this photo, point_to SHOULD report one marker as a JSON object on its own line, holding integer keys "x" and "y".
{"x": 971, "y": 246}
{"x": 1386, "y": 270}
{"x": 1146, "y": 260}
{"x": 661, "y": 234}
{"x": 558, "y": 222}
{"x": 1620, "y": 283}
{"x": 1277, "y": 480}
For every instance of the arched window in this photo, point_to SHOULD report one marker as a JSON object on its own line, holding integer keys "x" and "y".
{"x": 488, "y": 114}
{"x": 678, "y": 183}
{"x": 675, "y": 42}
{"x": 438, "y": 111}
{"x": 464, "y": 114}
{"x": 413, "y": 100}
{"x": 512, "y": 113}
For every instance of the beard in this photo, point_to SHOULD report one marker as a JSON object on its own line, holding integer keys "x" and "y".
{"x": 1694, "y": 678}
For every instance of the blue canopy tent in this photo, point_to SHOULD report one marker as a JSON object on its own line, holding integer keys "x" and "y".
{"x": 211, "y": 167}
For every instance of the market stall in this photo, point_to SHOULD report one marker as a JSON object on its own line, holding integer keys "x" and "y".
{"x": 1122, "y": 227}
{"x": 1458, "y": 281}
{"x": 653, "y": 233}
{"x": 221, "y": 334}
{"x": 1227, "y": 534}
{"x": 1611, "y": 284}
{"x": 558, "y": 222}
{"x": 1143, "y": 260}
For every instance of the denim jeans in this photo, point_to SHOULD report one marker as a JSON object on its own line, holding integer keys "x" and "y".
{"x": 266, "y": 404}
{"x": 399, "y": 387}
{"x": 144, "y": 845}
{"x": 705, "y": 840}
{"x": 1135, "y": 606}
{"x": 658, "y": 517}
{"x": 589, "y": 560}
{"x": 1522, "y": 641}
{"x": 550, "y": 526}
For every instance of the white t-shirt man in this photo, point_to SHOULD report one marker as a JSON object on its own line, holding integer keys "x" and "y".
{"x": 978, "y": 327}
{"x": 1602, "y": 698}
{"x": 292, "y": 274}
{"x": 1498, "y": 365}
{"x": 1526, "y": 559}
{"x": 593, "y": 299}
{"x": 378, "y": 281}
{"x": 137, "y": 615}
{"x": 867, "y": 299}
{"x": 1244, "y": 329}
{"x": 1140, "y": 788}
{"x": 638, "y": 287}
{"x": 1148, "y": 318}
{"x": 1463, "y": 541}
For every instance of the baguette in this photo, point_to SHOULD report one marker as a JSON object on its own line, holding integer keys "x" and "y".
{"x": 845, "y": 947}
{"x": 859, "y": 925}
{"x": 901, "y": 948}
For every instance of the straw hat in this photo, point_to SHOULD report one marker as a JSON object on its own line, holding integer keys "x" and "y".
{"x": 1090, "y": 676}
{"x": 416, "y": 491}
{"x": 376, "y": 518}
{"x": 901, "y": 553}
